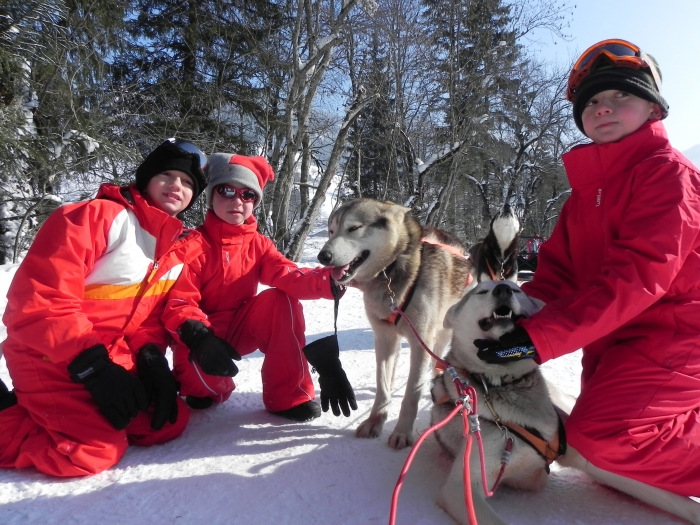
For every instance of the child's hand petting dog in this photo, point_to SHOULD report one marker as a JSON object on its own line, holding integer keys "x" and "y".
{"x": 512, "y": 346}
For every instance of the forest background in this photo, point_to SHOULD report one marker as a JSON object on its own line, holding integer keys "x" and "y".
{"x": 435, "y": 104}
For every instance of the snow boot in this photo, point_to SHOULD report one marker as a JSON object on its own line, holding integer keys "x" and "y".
{"x": 304, "y": 412}
{"x": 7, "y": 398}
{"x": 198, "y": 403}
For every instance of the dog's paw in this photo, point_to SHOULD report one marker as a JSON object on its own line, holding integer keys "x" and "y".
{"x": 370, "y": 428}
{"x": 399, "y": 440}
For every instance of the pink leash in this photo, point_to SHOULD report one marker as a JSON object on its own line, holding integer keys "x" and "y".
{"x": 467, "y": 404}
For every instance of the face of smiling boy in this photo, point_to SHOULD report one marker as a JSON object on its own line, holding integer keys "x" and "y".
{"x": 170, "y": 191}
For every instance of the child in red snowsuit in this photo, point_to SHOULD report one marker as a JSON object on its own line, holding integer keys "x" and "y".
{"x": 620, "y": 277}
{"x": 83, "y": 369}
{"x": 216, "y": 315}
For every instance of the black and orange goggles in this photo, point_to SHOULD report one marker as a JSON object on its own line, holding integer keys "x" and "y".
{"x": 188, "y": 147}
{"x": 619, "y": 52}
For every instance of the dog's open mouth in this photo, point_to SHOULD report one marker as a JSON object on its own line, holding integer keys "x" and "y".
{"x": 501, "y": 315}
{"x": 344, "y": 274}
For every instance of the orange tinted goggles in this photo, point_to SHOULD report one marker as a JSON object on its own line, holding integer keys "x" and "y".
{"x": 619, "y": 52}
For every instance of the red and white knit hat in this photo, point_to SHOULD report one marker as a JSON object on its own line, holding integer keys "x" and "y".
{"x": 251, "y": 172}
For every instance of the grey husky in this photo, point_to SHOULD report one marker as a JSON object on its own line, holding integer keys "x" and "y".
{"x": 512, "y": 399}
{"x": 526, "y": 406}
{"x": 380, "y": 248}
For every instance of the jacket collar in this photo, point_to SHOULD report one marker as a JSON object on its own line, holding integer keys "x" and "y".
{"x": 166, "y": 229}
{"x": 224, "y": 232}
{"x": 589, "y": 163}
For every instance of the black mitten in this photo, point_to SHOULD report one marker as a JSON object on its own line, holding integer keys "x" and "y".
{"x": 161, "y": 386}
{"x": 511, "y": 346}
{"x": 336, "y": 390}
{"x": 118, "y": 394}
{"x": 212, "y": 353}
{"x": 7, "y": 397}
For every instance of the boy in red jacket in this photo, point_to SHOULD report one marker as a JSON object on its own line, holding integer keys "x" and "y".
{"x": 217, "y": 294}
{"x": 620, "y": 277}
{"x": 83, "y": 369}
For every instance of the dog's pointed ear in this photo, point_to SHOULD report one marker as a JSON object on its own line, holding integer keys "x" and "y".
{"x": 447, "y": 322}
{"x": 398, "y": 210}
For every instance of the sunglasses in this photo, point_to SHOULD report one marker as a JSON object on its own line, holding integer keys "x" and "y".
{"x": 620, "y": 52}
{"x": 229, "y": 192}
{"x": 188, "y": 147}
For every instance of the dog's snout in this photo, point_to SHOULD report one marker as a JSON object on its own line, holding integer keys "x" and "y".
{"x": 502, "y": 290}
{"x": 325, "y": 257}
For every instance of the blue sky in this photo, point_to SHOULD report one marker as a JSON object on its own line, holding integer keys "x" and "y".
{"x": 667, "y": 29}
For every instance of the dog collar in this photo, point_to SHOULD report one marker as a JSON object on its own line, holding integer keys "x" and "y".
{"x": 395, "y": 317}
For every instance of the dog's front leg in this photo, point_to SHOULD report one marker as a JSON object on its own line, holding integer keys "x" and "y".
{"x": 402, "y": 436}
{"x": 386, "y": 350}
{"x": 451, "y": 498}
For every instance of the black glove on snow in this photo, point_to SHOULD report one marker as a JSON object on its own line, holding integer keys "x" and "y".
{"x": 118, "y": 394}
{"x": 512, "y": 346}
{"x": 212, "y": 353}
{"x": 161, "y": 386}
{"x": 335, "y": 387}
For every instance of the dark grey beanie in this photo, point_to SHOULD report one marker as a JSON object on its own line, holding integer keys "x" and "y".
{"x": 166, "y": 157}
{"x": 608, "y": 76}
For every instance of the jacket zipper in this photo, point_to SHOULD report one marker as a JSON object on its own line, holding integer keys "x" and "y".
{"x": 153, "y": 271}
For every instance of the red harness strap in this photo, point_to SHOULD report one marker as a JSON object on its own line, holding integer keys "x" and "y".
{"x": 494, "y": 277}
{"x": 394, "y": 318}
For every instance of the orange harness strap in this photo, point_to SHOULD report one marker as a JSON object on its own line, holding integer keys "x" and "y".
{"x": 454, "y": 251}
{"x": 549, "y": 450}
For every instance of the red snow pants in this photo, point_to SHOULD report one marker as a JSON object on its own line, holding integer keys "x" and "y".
{"x": 56, "y": 426}
{"x": 271, "y": 322}
{"x": 638, "y": 414}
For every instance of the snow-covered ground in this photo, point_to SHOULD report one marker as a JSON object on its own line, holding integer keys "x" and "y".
{"x": 237, "y": 464}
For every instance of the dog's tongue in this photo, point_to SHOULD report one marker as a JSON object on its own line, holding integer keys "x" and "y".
{"x": 338, "y": 272}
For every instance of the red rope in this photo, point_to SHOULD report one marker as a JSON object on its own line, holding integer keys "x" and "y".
{"x": 409, "y": 460}
{"x": 395, "y": 309}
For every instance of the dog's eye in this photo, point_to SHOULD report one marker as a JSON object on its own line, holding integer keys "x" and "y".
{"x": 330, "y": 233}
{"x": 482, "y": 292}
{"x": 353, "y": 228}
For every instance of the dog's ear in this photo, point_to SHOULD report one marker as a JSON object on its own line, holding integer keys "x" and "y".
{"x": 398, "y": 210}
{"x": 533, "y": 306}
{"x": 447, "y": 322}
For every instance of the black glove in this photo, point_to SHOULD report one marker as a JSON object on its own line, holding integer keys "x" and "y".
{"x": 212, "y": 353}
{"x": 161, "y": 386}
{"x": 512, "y": 346}
{"x": 335, "y": 387}
{"x": 118, "y": 394}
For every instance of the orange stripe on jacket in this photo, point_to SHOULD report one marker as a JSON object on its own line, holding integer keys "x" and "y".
{"x": 114, "y": 291}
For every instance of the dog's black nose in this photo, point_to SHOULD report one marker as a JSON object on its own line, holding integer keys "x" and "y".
{"x": 325, "y": 257}
{"x": 502, "y": 290}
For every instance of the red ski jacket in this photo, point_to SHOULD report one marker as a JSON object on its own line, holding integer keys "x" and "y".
{"x": 623, "y": 262}
{"x": 93, "y": 275}
{"x": 237, "y": 258}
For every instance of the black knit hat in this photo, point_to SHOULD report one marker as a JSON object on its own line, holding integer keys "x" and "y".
{"x": 607, "y": 75}
{"x": 169, "y": 156}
